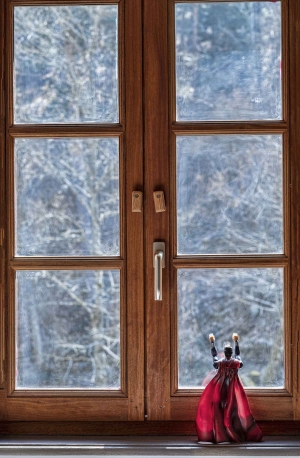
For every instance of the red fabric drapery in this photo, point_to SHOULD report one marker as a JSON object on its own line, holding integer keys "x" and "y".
{"x": 223, "y": 413}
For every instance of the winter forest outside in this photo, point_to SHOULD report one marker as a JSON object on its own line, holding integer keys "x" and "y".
{"x": 229, "y": 192}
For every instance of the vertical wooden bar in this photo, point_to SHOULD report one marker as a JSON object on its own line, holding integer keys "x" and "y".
{"x": 294, "y": 51}
{"x": 2, "y": 195}
{"x": 134, "y": 182}
{"x": 156, "y": 99}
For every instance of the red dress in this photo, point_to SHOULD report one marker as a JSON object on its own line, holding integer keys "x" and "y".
{"x": 223, "y": 413}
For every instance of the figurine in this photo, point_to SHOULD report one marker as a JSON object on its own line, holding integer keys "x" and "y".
{"x": 223, "y": 412}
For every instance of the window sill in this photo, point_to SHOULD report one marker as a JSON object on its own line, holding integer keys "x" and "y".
{"x": 142, "y": 446}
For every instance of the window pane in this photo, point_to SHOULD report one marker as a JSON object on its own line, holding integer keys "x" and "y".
{"x": 68, "y": 329}
{"x": 223, "y": 301}
{"x": 65, "y": 64}
{"x": 228, "y": 61}
{"x": 229, "y": 194}
{"x": 67, "y": 197}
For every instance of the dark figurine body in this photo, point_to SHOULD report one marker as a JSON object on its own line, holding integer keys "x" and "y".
{"x": 223, "y": 413}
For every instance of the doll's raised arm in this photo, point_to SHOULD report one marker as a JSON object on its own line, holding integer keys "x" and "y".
{"x": 237, "y": 352}
{"x": 213, "y": 350}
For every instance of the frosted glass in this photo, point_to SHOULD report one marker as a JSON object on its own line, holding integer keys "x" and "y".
{"x": 66, "y": 64}
{"x": 229, "y": 194}
{"x": 228, "y": 61}
{"x": 68, "y": 329}
{"x": 223, "y": 301}
{"x": 67, "y": 196}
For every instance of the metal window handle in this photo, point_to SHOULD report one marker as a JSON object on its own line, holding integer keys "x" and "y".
{"x": 158, "y": 263}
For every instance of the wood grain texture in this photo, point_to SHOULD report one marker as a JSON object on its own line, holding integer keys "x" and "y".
{"x": 7, "y": 10}
{"x": 287, "y": 224}
{"x": 57, "y": 405}
{"x": 185, "y": 408}
{"x": 241, "y": 127}
{"x": 75, "y": 428}
{"x": 156, "y": 224}
{"x": 11, "y": 334}
{"x": 66, "y": 263}
{"x": 160, "y": 130}
{"x": 2, "y": 334}
{"x": 263, "y": 408}
{"x": 134, "y": 428}
{"x": 189, "y": 262}
{"x": 2, "y": 198}
{"x": 59, "y": 2}
{"x": 285, "y": 61}
{"x": 65, "y": 409}
{"x": 159, "y": 201}
{"x": 294, "y": 57}
{"x": 58, "y": 131}
{"x": 137, "y": 201}
{"x": 251, "y": 392}
{"x": 134, "y": 181}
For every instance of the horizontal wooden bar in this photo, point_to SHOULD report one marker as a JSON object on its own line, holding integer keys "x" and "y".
{"x": 230, "y": 261}
{"x": 266, "y": 408}
{"x": 130, "y": 428}
{"x": 220, "y": 1}
{"x": 66, "y": 130}
{"x": 67, "y": 409}
{"x": 60, "y": 2}
{"x": 66, "y": 264}
{"x": 253, "y": 128}
{"x": 75, "y": 393}
{"x": 251, "y": 392}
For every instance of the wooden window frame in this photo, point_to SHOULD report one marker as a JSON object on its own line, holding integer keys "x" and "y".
{"x": 114, "y": 405}
{"x": 262, "y": 400}
{"x": 180, "y": 405}
{"x": 17, "y": 415}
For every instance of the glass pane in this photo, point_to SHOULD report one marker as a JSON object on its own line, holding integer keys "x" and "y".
{"x": 223, "y": 301}
{"x": 68, "y": 329}
{"x": 66, "y": 64}
{"x": 228, "y": 61}
{"x": 229, "y": 194}
{"x": 67, "y": 196}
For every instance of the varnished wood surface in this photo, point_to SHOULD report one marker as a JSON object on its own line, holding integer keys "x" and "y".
{"x": 66, "y": 263}
{"x": 134, "y": 428}
{"x": 64, "y": 130}
{"x": 65, "y": 409}
{"x": 294, "y": 53}
{"x": 62, "y": 2}
{"x": 263, "y": 408}
{"x": 242, "y": 127}
{"x": 190, "y": 262}
{"x": 156, "y": 98}
{"x": 137, "y": 201}
{"x": 160, "y": 130}
{"x": 134, "y": 182}
{"x": 2, "y": 203}
{"x": 83, "y": 405}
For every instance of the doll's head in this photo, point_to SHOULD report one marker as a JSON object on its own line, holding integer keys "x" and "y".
{"x": 227, "y": 351}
